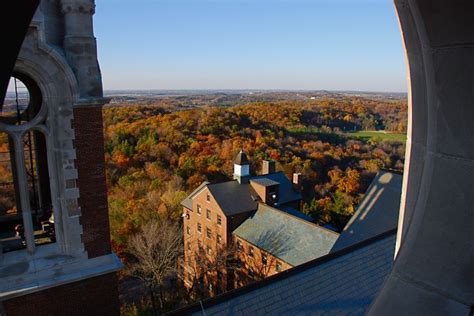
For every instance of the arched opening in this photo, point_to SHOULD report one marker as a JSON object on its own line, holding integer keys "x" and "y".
{"x": 25, "y": 208}
{"x": 23, "y": 101}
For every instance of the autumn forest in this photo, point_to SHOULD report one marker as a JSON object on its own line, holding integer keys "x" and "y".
{"x": 156, "y": 155}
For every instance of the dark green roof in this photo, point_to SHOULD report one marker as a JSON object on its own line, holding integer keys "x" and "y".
{"x": 285, "y": 236}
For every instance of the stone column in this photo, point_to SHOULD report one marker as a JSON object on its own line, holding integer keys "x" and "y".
{"x": 80, "y": 46}
{"x": 433, "y": 273}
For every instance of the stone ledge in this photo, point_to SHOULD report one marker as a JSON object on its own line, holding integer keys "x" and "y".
{"x": 52, "y": 272}
{"x": 91, "y": 102}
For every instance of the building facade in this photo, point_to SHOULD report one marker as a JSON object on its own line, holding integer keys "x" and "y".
{"x": 222, "y": 250}
{"x": 55, "y": 253}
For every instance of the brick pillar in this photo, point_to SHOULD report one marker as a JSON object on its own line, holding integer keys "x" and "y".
{"x": 89, "y": 143}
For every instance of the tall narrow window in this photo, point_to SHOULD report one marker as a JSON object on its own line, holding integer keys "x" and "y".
{"x": 26, "y": 212}
{"x": 208, "y": 214}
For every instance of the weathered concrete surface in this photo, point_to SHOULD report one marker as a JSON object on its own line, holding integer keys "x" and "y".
{"x": 433, "y": 272}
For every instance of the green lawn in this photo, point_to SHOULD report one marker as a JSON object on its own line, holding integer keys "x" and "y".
{"x": 382, "y": 135}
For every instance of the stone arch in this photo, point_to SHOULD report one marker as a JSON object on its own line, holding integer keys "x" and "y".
{"x": 43, "y": 66}
{"x": 433, "y": 271}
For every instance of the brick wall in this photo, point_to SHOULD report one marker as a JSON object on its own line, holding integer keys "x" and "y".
{"x": 89, "y": 144}
{"x": 255, "y": 263}
{"x": 95, "y": 296}
{"x": 215, "y": 229}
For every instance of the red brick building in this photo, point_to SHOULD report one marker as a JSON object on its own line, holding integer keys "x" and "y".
{"x": 223, "y": 247}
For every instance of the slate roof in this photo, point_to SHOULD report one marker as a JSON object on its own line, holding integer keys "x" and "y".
{"x": 292, "y": 211}
{"x": 266, "y": 182}
{"x": 286, "y": 192}
{"x": 285, "y": 236}
{"x": 233, "y": 197}
{"x": 377, "y": 212}
{"x": 341, "y": 283}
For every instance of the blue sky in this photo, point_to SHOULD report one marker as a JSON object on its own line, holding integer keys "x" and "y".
{"x": 250, "y": 44}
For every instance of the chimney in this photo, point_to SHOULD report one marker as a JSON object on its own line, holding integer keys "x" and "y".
{"x": 268, "y": 166}
{"x": 267, "y": 189}
{"x": 298, "y": 181}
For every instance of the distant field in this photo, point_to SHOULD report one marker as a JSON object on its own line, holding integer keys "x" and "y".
{"x": 367, "y": 135}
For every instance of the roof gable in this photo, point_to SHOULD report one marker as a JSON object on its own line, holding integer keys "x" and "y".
{"x": 188, "y": 201}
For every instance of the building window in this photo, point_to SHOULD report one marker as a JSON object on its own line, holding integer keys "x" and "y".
{"x": 239, "y": 263}
{"x": 251, "y": 252}
{"x": 209, "y": 251}
{"x": 188, "y": 230}
{"x": 251, "y": 274}
{"x": 26, "y": 211}
{"x": 208, "y": 214}
{"x": 264, "y": 260}
{"x": 199, "y": 227}
{"x": 239, "y": 245}
{"x": 278, "y": 267}
{"x": 208, "y": 233}
{"x": 199, "y": 210}
{"x": 188, "y": 216}
{"x": 219, "y": 239}
{"x": 219, "y": 220}
{"x": 189, "y": 246}
{"x": 199, "y": 245}
{"x": 208, "y": 197}
{"x": 210, "y": 287}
